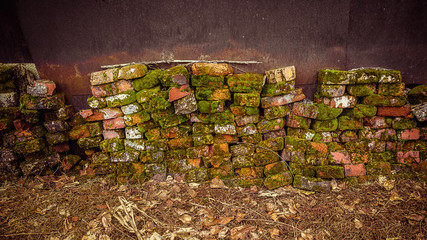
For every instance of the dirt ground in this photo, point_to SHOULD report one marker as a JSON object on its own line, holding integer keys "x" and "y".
{"x": 58, "y": 208}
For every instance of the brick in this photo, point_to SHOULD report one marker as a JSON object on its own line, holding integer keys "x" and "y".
{"x": 186, "y": 105}
{"x": 96, "y": 102}
{"x": 229, "y": 129}
{"x": 207, "y": 81}
{"x": 112, "y": 145}
{"x": 135, "y": 144}
{"x": 345, "y": 101}
{"x": 311, "y": 184}
{"x": 293, "y": 156}
{"x": 181, "y": 143}
{"x": 176, "y": 131}
{"x": 131, "y": 108}
{"x": 219, "y": 149}
{"x": 249, "y": 129}
{"x": 347, "y": 136}
{"x": 110, "y": 113}
{"x": 377, "y": 122}
{"x": 89, "y": 142}
{"x": 124, "y": 156}
{"x": 275, "y": 144}
{"x": 197, "y": 175}
{"x": 330, "y": 172}
{"x": 328, "y": 76}
{"x": 121, "y": 99}
{"x": 55, "y": 138}
{"x": 223, "y": 172}
{"x": 202, "y": 139}
{"x": 294, "y": 121}
{"x": 391, "y": 89}
{"x": 362, "y": 90}
{"x": 247, "y": 99}
{"x": 294, "y": 96}
{"x": 219, "y": 138}
{"x": 216, "y": 161}
{"x": 385, "y": 101}
{"x": 354, "y": 170}
{"x": 376, "y": 145}
{"x": 278, "y": 180}
{"x": 178, "y": 93}
{"x": 409, "y": 134}
{"x": 331, "y": 90}
{"x": 263, "y": 157}
{"x": 213, "y": 94}
{"x": 102, "y": 77}
{"x": 270, "y": 125}
{"x": 133, "y": 133}
{"x": 56, "y": 126}
{"x": 323, "y": 137}
{"x": 403, "y": 123}
{"x": 306, "y": 134}
{"x": 85, "y": 113}
{"x": 394, "y": 111}
{"x": 198, "y": 151}
{"x": 180, "y": 79}
{"x": 132, "y": 71}
{"x": 213, "y": 69}
{"x": 242, "y": 161}
{"x": 378, "y": 168}
{"x": 124, "y": 86}
{"x": 246, "y": 119}
{"x": 276, "y": 112}
{"x": 61, "y": 147}
{"x": 210, "y": 106}
{"x": 420, "y": 111}
{"x": 304, "y": 110}
{"x": 168, "y": 74}
{"x": 96, "y": 116}
{"x": 135, "y": 118}
{"x": 41, "y": 88}
{"x": 339, "y": 157}
{"x": 241, "y": 149}
{"x": 274, "y": 134}
{"x": 32, "y": 146}
{"x": 114, "y": 123}
{"x": 9, "y": 99}
{"x": 408, "y": 157}
{"x": 104, "y": 90}
{"x": 116, "y": 133}
{"x": 349, "y": 123}
{"x": 245, "y": 83}
{"x": 253, "y": 138}
{"x": 281, "y": 74}
{"x": 366, "y": 75}
{"x": 276, "y": 89}
{"x": 243, "y": 110}
{"x": 275, "y": 168}
{"x": 325, "y": 126}
{"x": 250, "y": 173}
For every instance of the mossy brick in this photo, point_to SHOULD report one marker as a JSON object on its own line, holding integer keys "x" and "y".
{"x": 324, "y": 137}
{"x": 293, "y": 156}
{"x": 253, "y": 138}
{"x": 197, "y": 175}
{"x": 275, "y": 144}
{"x": 210, "y": 106}
{"x": 112, "y": 145}
{"x": 150, "y": 80}
{"x": 330, "y": 90}
{"x": 325, "y": 126}
{"x": 316, "y": 150}
{"x": 212, "y": 69}
{"x": 86, "y": 130}
{"x": 179, "y": 166}
{"x": 166, "y": 79}
{"x": 134, "y": 144}
{"x": 247, "y": 130}
{"x": 249, "y": 172}
{"x": 329, "y": 76}
{"x": 263, "y": 157}
{"x": 245, "y": 82}
{"x": 378, "y": 168}
{"x": 311, "y": 184}
{"x": 386, "y": 134}
{"x": 124, "y": 86}
{"x": 276, "y": 112}
{"x": 104, "y": 90}
{"x": 376, "y": 146}
{"x": 229, "y": 129}
{"x": 403, "y": 123}
{"x": 179, "y": 92}
{"x": 377, "y": 122}
{"x": 198, "y": 151}
{"x": 349, "y": 123}
{"x": 330, "y": 172}
{"x": 220, "y": 118}
{"x": 270, "y": 125}
{"x": 132, "y": 71}
{"x": 9, "y": 113}
{"x": 347, "y": 135}
{"x": 275, "y": 168}
{"x": 76, "y": 120}
{"x": 131, "y": 108}
{"x": 298, "y": 122}
{"x": 202, "y": 128}
{"x": 179, "y": 131}
{"x": 154, "y": 169}
{"x": 133, "y": 133}
{"x": 304, "y": 110}
{"x": 325, "y": 112}
{"x": 115, "y": 123}
{"x": 385, "y": 101}
{"x": 357, "y": 146}
{"x": 295, "y": 144}
{"x": 243, "y": 161}
{"x": 56, "y": 126}
{"x": 204, "y": 139}
{"x": 219, "y": 149}
{"x": 89, "y": 142}
{"x": 185, "y": 105}
{"x": 339, "y": 157}
{"x": 418, "y": 94}
{"x": 345, "y": 101}
{"x": 109, "y": 113}
{"x": 278, "y": 180}
{"x": 366, "y": 75}
{"x": 145, "y": 95}
{"x": 275, "y": 134}
{"x": 361, "y": 111}
{"x": 408, "y": 134}
{"x": 100, "y": 158}
{"x": 124, "y": 156}
{"x": 243, "y": 110}
{"x": 153, "y": 134}
{"x": 174, "y": 155}
{"x": 293, "y": 96}
{"x": 246, "y": 119}
{"x": 31, "y": 146}
{"x": 6, "y": 73}
{"x": 145, "y": 126}
{"x": 135, "y": 118}
{"x": 282, "y": 74}
{"x": 391, "y": 89}
{"x": 306, "y": 134}
{"x": 213, "y": 94}
{"x": 10, "y": 99}
{"x": 241, "y": 150}
{"x": 180, "y": 143}
{"x": 55, "y": 138}
{"x": 121, "y": 99}
{"x": 389, "y": 76}
{"x": 41, "y": 103}
{"x": 282, "y": 88}
{"x": 386, "y": 156}
{"x": 217, "y": 161}
{"x": 225, "y": 138}
{"x": 31, "y": 116}
{"x": 173, "y": 120}
{"x": 362, "y": 90}
{"x": 206, "y": 80}
{"x": 156, "y": 145}
{"x": 96, "y": 103}
{"x": 223, "y": 172}
{"x": 105, "y": 76}
{"x": 161, "y": 114}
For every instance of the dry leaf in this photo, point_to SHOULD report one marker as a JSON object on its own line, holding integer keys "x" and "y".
{"x": 387, "y": 184}
{"x": 395, "y": 197}
{"x": 357, "y": 223}
{"x": 240, "y": 216}
{"x": 415, "y": 217}
{"x": 274, "y": 217}
{"x": 274, "y": 232}
{"x": 185, "y": 219}
{"x": 223, "y": 233}
{"x": 241, "y": 232}
{"x": 221, "y": 221}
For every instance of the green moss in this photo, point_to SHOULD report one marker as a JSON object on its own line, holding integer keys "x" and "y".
{"x": 328, "y": 76}
{"x": 243, "y": 110}
{"x": 418, "y": 94}
{"x": 386, "y": 156}
{"x": 173, "y": 120}
{"x": 213, "y": 94}
{"x": 90, "y": 142}
{"x": 325, "y": 126}
{"x": 385, "y": 101}
{"x": 276, "y": 112}
{"x": 223, "y": 172}
{"x": 150, "y": 80}
{"x": 391, "y": 89}
{"x": 378, "y": 168}
{"x": 145, "y": 126}
{"x": 389, "y": 76}
{"x": 330, "y": 172}
{"x": 199, "y": 140}
{"x": 404, "y": 123}
{"x": 366, "y": 76}
{"x": 210, "y": 106}
{"x": 298, "y": 122}
{"x": 247, "y": 99}
{"x": 166, "y": 79}
{"x": 254, "y": 138}
{"x": 146, "y": 94}
{"x": 155, "y": 104}
{"x": 245, "y": 83}
{"x": 275, "y": 144}
{"x": 281, "y": 88}
{"x": 325, "y": 112}
{"x": 6, "y": 73}
{"x": 348, "y": 123}
{"x": 206, "y": 80}
{"x": 357, "y": 146}
{"x": 334, "y": 146}
{"x": 121, "y": 99}
{"x": 270, "y": 125}
{"x": 31, "y": 146}
{"x": 278, "y": 180}
{"x": 362, "y": 90}
{"x": 94, "y": 129}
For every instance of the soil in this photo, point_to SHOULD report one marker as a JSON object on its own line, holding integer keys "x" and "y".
{"x": 58, "y": 208}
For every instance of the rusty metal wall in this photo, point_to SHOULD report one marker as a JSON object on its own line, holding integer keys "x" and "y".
{"x": 69, "y": 39}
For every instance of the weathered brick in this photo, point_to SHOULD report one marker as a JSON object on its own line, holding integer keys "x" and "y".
{"x": 331, "y": 90}
{"x": 185, "y": 105}
{"x": 294, "y": 96}
{"x": 409, "y": 134}
{"x": 311, "y": 184}
{"x": 110, "y": 113}
{"x": 132, "y": 71}
{"x": 243, "y": 110}
{"x": 281, "y": 74}
{"x": 270, "y": 125}
{"x": 133, "y": 133}
{"x": 298, "y": 122}
{"x": 89, "y": 142}
{"x": 124, "y": 156}
{"x": 345, "y": 101}
{"x": 362, "y": 90}
{"x": 408, "y": 157}
{"x": 213, "y": 94}
{"x": 131, "y": 108}
{"x": 219, "y": 149}
{"x": 249, "y": 129}
{"x": 229, "y": 129}
{"x": 121, "y": 99}
{"x": 104, "y": 90}
{"x": 216, "y": 161}
{"x": 112, "y": 145}
{"x": 245, "y": 83}
{"x": 241, "y": 150}
{"x": 102, "y": 77}
{"x": 278, "y": 180}
{"x": 378, "y": 168}
{"x": 328, "y": 76}
{"x": 213, "y": 69}
{"x": 115, "y": 133}
{"x": 420, "y": 111}
{"x": 377, "y": 122}
{"x": 354, "y": 170}
{"x": 9, "y": 99}
{"x": 347, "y": 136}
{"x": 348, "y": 123}
{"x": 198, "y": 151}
{"x": 247, "y": 99}
{"x": 178, "y": 93}
{"x": 41, "y": 88}
{"x": 275, "y": 168}
{"x": 242, "y": 161}
{"x": 276, "y": 112}
{"x": 219, "y": 138}
{"x": 275, "y": 144}
{"x": 391, "y": 89}
{"x": 306, "y": 134}
{"x": 385, "y": 101}
{"x": 376, "y": 145}
{"x": 56, "y": 126}
{"x": 339, "y": 157}
{"x": 114, "y": 123}
{"x": 330, "y": 172}
{"x": 403, "y": 123}
{"x": 124, "y": 86}
{"x": 250, "y": 173}
{"x": 176, "y": 131}
{"x": 394, "y": 111}
{"x": 210, "y": 106}
{"x": 325, "y": 126}
{"x": 42, "y": 103}
{"x": 202, "y": 139}
{"x": 135, "y": 118}
{"x": 274, "y": 134}
{"x": 206, "y": 80}
{"x": 305, "y": 110}
{"x": 180, "y": 143}
{"x": 32, "y": 146}
{"x": 246, "y": 119}
{"x": 263, "y": 157}
{"x": 96, "y": 102}
{"x": 61, "y": 147}
{"x": 276, "y": 89}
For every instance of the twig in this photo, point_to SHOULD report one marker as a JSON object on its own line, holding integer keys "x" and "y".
{"x": 26, "y": 234}
{"x": 179, "y": 61}
{"x": 273, "y": 222}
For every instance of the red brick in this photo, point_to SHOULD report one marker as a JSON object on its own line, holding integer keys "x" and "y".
{"x": 115, "y": 123}
{"x": 340, "y": 157}
{"x": 225, "y": 138}
{"x": 85, "y": 113}
{"x": 294, "y": 96}
{"x": 124, "y": 85}
{"x": 345, "y": 101}
{"x": 394, "y": 111}
{"x": 354, "y": 170}
{"x": 376, "y": 122}
{"x": 61, "y": 147}
{"x": 110, "y": 113}
{"x": 41, "y": 88}
{"x": 178, "y": 93}
{"x": 101, "y": 77}
{"x": 21, "y": 124}
{"x": 96, "y": 116}
{"x": 219, "y": 149}
{"x": 410, "y": 134}
{"x": 110, "y": 134}
{"x": 195, "y": 162}
{"x": 104, "y": 90}
{"x": 408, "y": 157}
{"x": 213, "y": 69}
{"x": 304, "y": 110}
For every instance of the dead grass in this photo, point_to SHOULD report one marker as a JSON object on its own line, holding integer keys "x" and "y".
{"x": 62, "y": 208}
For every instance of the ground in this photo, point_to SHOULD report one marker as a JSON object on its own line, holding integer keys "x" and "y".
{"x": 57, "y": 208}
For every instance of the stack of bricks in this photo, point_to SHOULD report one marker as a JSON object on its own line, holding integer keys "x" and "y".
{"x": 39, "y": 132}
{"x": 361, "y": 125}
